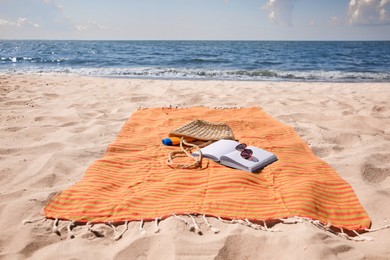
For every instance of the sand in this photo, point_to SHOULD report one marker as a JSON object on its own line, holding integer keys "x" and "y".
{"x": 54, "y": 126}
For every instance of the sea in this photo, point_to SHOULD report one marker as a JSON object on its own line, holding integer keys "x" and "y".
{"x": 324, "y": 61}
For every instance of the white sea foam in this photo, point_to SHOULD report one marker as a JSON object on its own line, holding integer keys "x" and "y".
{"x": 212, "y": 74}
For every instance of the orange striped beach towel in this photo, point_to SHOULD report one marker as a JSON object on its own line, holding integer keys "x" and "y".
{"x": 132, "y": 181}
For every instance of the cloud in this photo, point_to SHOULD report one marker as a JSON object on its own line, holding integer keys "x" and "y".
{"x": 369, "y": 12}
{"x": 280, "y": 11}
{"x": 43, "y": 18}
{"x": 20, "y": 22}
{"x": 336, "y": 20}
{"x": 24, "y": 21}
{"x": 5, "y": 22}
{"x": 91, "y": 25}
{"x": 45, "y": 14}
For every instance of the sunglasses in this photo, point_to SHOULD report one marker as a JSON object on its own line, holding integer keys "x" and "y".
{"x": 245, "y": 153}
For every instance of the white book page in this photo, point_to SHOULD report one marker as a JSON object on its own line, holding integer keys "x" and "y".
{"x": 260, "y": 158}
{"x": 215, "y": 150}
{"x": 260, "y": 154}
{"x": 236, "y": 158}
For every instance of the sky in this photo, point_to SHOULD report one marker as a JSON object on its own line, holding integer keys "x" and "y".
{"x": 195, "y": 19}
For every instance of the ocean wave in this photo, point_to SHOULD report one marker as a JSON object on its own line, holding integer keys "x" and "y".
{"x": 8, "y": 60}
{"x": 184, "y": 73}
{"x": 213, "y": 74}
{"x": 203, "y": 60}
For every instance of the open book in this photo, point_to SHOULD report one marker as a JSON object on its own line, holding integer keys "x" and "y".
{"x": 225, "y": 152}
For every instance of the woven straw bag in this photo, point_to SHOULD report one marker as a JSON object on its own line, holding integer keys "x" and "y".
{"x": 204, "y": 131}
{"x": 191, "y": 134}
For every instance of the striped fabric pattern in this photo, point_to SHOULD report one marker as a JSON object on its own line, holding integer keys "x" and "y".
{"x": 132, "y": 181}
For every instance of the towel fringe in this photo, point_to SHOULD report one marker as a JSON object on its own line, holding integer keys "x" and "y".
{"x": 141, "y": 228}
{"x": 227, "y": 221}
{"x": 89, "y": 227}
{"x": 94, "y": 232}
{"x": 292, "y": 220}
{"x": 250, "y": 224}
{"x": 377, "y": 229}
{"x": 215, "y": 230}
{"x": 157, "y": 229}
{"x": 113, "y": 227}
{"x": 55, "y": 227}
{"x": 119, "y": 235}
{"x": 342, "y": 234}
{"x": 360, "y": 237}
{"x": 270, "y": 229}
{"x": 260, "y": 227}
{"x": 69, "y": 228}
{"x": 357, "y": 238}
{"x": 194, "y": 226}
{"x": 181, "y": 218}
{"x": 28, "y": 221}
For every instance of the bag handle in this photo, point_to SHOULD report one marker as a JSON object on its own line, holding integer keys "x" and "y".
{"x": 185, "y": 152}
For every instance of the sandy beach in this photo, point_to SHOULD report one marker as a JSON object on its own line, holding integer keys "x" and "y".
{"x": 54, "y": 126}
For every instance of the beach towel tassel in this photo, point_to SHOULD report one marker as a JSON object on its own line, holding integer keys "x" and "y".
{"x": 28, "y": 221}
{"x": 240, "y": 221}
{"x": 215, "y": 230}
{"x": 342, "y": 234}
{"x": 226, "y": 221}
{"x": 194, "y": 227}
{"x": 376, "y": 229}
{"x": 69, "y": 228}
{"x": 119, "y": 235}
{"x": 293, "y": 220}
{"x": 250, "y": 224}
{"x": 141, "y": 227}
{"x": 266, "y": 228}
{"x": 89, "y": 227}
{"x": 361, "y": 238}
{"x": 157, "y": 229}
{"x": 318, "y": 224}
{"x": 185, "y": 221}
{"x": 55, "y": 227}
{"x": 357, "y": 238}
{"x": 113, "y": 227}
{"x": 270, "y": 229}
{"x": 95, "y": 232}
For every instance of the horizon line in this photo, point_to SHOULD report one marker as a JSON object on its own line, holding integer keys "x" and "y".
{"x": 204, "y": 40}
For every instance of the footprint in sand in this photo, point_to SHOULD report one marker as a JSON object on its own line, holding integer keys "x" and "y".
{"x": 139, "y": 99}
{"x": 345, "y": 139}
{"x": 371, "y": 170}
{"x": 151, "y": 246}
{"x": 373, "y": 174}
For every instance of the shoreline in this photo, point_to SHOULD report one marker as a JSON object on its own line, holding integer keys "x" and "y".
{"x": 7, "y": 74}
{"x": 54, "y": 126}
{"x": 269, "y": 80}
